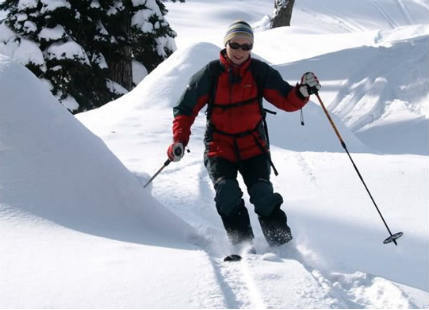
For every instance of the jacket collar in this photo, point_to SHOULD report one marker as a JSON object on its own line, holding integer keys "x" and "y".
{"x": 229, "y": 66}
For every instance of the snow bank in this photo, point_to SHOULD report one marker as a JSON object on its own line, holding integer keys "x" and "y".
{"x": 162, "y": 88}
{"x": 345, "y": 16}
{"x": 337, "y": 230}
{"x": 380, "y": 92}
{"x": 337, "y": 259}
{"x": 55, "y": 169}
{"x": 165, "y": 84}
{"x": 315, "y": 135}
{"x": 324, "y": 17}
{"x": 77, "y": 228}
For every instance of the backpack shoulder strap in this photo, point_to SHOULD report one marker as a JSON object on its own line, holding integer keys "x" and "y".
{"x": 259, "y": 71}
{"x": 214, "y": 68}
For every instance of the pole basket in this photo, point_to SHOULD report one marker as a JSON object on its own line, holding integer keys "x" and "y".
{"x": 393, "y": 238}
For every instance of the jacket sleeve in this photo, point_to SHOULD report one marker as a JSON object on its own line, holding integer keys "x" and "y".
{"x": 194, "y": 97}
{"x": 280, "y": 93}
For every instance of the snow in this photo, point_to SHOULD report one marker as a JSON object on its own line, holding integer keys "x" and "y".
{"x": 100, "y": 60}
{"x": 95, "y": 4}
{"x": 27, "y": 4}
{"x": 67, "y": 50}
{"x": 151, "y": 5}
{"x": 71, "y": 189}
{"x": 368, "y": 101}
{"x": 141, "y": 20}
{"x": 70, "y": 103}
{"x": 52, "y": 5}
{"x": 26, "y": 52}
{"x": 21, "y": 17}
{"x": 72, "y": 236}
{"x": 138, "y": 2}
{"x": 52, "y": 34}
{"x": 163, "y": 44}
{"x": 115, "y": 8}
{"x": 139, "y": 72}
{"x": 29, "y": 27}
{"x": 101, "y": 29}
{"x": 115, "y": 87}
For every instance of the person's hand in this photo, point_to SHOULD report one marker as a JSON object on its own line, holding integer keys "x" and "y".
{"x": 309, "y": 84}
{"x": 175, "y": 151}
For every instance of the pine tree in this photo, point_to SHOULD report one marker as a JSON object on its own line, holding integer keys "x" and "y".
{"x": 85, "y": 50}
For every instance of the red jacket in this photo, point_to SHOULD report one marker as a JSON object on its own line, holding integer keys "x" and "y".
{"x": 234, "y": 125}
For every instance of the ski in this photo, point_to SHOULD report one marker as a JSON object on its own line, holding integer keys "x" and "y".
{"x": 237, "y": 257}
{"x": 232, "y": 258}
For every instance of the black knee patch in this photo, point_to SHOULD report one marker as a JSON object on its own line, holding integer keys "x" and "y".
{"x": 263, "y": 198}
{"x": 238, "y": 226}
{"x": 228, "y": 196}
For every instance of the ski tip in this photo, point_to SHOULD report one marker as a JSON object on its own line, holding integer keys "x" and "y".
{"x": 232, "y": 258}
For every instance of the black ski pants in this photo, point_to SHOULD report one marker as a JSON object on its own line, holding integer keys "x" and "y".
{"x": 230, "y": 205}
{"x": 256, "y": 175}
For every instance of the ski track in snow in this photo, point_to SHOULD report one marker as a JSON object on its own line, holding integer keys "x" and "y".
{"x": 383, "y": 13}
{"x": 357, "y": 290}
{"x": 346, "y": 24}
{"x": 288, "y": 273}
{"x": 306, "y": 168}
{"x": 237, "y": 284}
{"x": 263, "y": 280}
{"x": 405, "y": 11}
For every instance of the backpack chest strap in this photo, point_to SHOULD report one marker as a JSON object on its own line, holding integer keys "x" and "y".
{"x": 236, "y": 104}
{"x": 236, "y": 135}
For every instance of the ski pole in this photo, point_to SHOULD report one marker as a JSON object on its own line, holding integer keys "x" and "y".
{"x": 392, "y": 237}
{"x": 167, "y": 162}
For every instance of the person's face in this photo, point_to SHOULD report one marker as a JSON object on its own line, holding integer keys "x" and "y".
{"x": 238, "y": 56}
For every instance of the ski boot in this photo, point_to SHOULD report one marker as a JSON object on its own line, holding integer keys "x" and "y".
{"x": 275, "y": 228}
{"x": 238, "y": 227}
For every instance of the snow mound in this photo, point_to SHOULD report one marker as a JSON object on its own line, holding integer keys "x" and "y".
{"x": 386, "y": 78}
{"x": 54, "y": 169}
{"x": 162, "y": 88}
{"x": 77, "y": 228}
{"x": 316, "y": 134}
{"x": 382, "y": 92}
{"x": 164, "y": 85}
{"x": 346, "y": 16}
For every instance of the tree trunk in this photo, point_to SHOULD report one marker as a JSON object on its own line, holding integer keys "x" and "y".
{"x": 283, "y": 13}
{"x": 120, "y": 63}
{"x": 121, "y": 69}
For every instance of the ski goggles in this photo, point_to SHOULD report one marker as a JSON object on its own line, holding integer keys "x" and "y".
{"x": 244, "y": 47}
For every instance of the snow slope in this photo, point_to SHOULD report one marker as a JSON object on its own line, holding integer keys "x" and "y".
{"x": 80, "y": 231}
{"x": 135, "y": 127}
{"x": 209, "y": 22}
{"x": 340, "y": 41}
{"x": 381, "y": 93}
{"x": 77, "y": 230}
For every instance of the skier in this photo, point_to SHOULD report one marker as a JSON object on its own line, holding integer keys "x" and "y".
{"x": 236, "y": 139}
